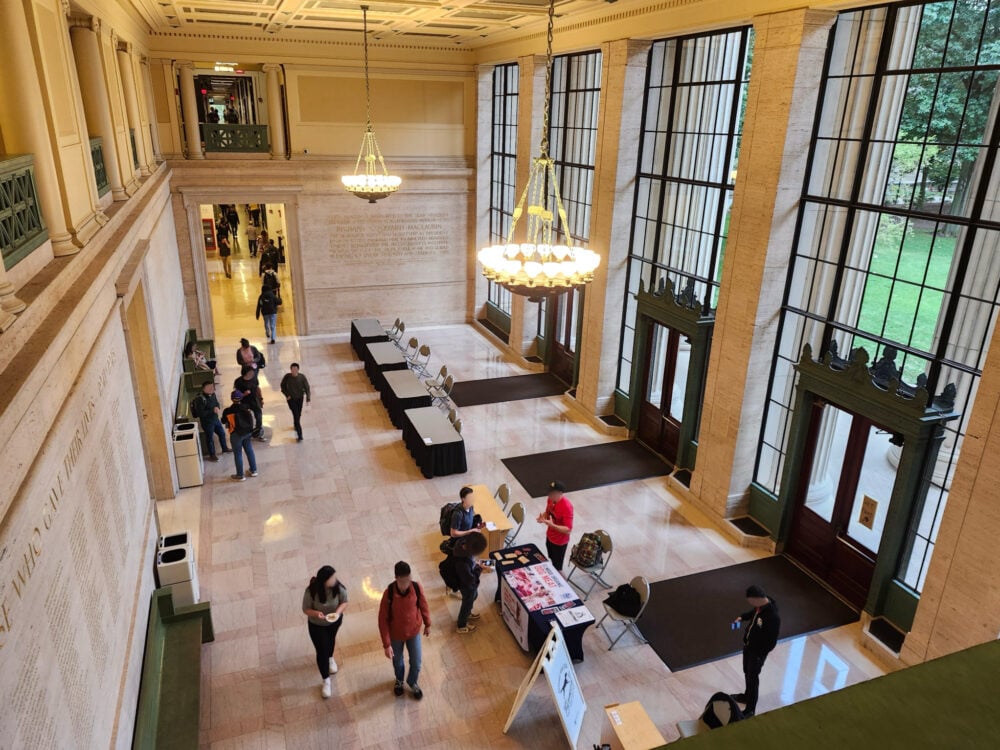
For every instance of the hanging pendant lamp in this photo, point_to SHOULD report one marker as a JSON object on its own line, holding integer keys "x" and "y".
{"x": 371, "y": 181}
{"x": 537, "y": 268}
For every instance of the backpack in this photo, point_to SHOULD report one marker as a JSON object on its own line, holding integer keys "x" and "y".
{"x": 448, "y": 574}
{"x": 239, "y": 422}
{"x": 588, "y": 552}
{"x": 720, "y": 710}
{"x": 391, "y": 592}
{"x": 625, "y": 600}
{"x": 196, "y": 406}
{"x": 444, "y": 521}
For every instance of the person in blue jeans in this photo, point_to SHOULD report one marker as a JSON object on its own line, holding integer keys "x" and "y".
{"x": 207, "y": 409}
{"x": 267, "y": 305}
{"x": 401, "y": 615}
{"x": 239, "y": 419}
{"x": 468, "y": 569}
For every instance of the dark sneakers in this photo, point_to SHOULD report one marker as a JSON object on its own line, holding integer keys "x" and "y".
{"x": 417, "y": 692}
{"x": 398, "y": 689}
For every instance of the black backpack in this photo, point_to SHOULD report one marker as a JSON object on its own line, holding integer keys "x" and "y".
{"x": 240, "y": 421}
{"x": 445, "y": 519}
{"x": 448, "y": 574}
{"x": 391, "y": 590}
{"x": 197, "y": 403}
{"x": 720, "y": 710}
{"x": 625, "y": 600}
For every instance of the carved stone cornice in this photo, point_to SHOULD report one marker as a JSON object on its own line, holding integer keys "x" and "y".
{"x": 124, "y": 46}
{"x": 182, "y": 64}
{"x": 66, "y": 9}
{"x": 84, "y": 21}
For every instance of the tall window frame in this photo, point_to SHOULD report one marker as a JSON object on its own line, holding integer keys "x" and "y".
{"x": 694, "y": 104}
{"x": 909, "y": 91}
{"x": 503, "y": 168}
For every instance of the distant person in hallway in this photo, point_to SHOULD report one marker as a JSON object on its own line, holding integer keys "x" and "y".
{"x": 267, "y": 305}
{"x": 207, "y": 409}
{"x": 558, "y": 517}
{"x": 253, "y": 211}
{"x": 261, "y": 244}
{"x": 468, "y": 568}
{"x": 324, "y": 602}
{"x": 240, "y": 422}
{"x": 253, "y": 399}
{"x": 295, "y": 387}
{"x": 269, "y": 257}
{"x": 213, "y": 116}
{"x": 224, "y": 253}
{"x": 232, "y": 116}
{"x": 269, "y": 280}
{"x": 401, "y": 614}
{"x": 250, "y": 355}
{"x": 759, "y": 639}
{"x": 233, "y": 219}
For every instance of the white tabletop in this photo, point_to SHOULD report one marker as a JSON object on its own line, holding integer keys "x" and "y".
{"x": 368, "y": 327}
{"x": 385, "y": 353}
{"x": 404, "y": 384}
{"x": 430, "y": 423}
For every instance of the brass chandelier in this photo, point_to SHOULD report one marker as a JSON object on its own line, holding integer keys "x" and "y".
{"x": 372, "y": 181}
{"x": 537, "y": 268}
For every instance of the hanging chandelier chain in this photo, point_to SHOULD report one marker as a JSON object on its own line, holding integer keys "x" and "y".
{"x": 548, "y": 81}
{"x": 368, "y": 95}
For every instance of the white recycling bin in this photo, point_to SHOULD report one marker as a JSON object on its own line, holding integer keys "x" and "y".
{"x": 187, "y": 455}
{"x": 176, "y": 570}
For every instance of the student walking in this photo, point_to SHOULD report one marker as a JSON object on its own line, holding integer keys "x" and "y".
{"x": 224, "y": 253}
{"x": 400, "y": 615}
{"x": 205, "y": 407}
{"x": 240, "y": 422}
{"x": 759, "y": 639}
{"x": 558, "y": 517}
{"x": 468, "y": 568}
{"x": 324, "y": 602}
{"x": 267, "y": 305}
{"x": 295, "y": 387}
{"x": 253, "y": 398}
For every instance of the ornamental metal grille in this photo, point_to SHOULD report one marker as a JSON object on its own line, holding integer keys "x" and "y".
{"x": 22, "y": 228}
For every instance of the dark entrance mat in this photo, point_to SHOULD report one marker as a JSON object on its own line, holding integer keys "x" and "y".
{"x": 687, "y": 620}
{"x": 515, "y": 388}
{"x": 586, "y": 467}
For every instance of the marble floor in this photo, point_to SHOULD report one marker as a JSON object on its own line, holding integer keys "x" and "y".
{"x": 350, "y": 495}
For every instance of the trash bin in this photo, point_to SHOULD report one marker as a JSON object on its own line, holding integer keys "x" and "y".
{"x": 175, "y": 569}
{"x": 187, "y": 455}
{"x": 175, "y": 540}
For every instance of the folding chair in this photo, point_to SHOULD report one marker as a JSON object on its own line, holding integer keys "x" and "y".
{"x": 458, "y": 426}
{"x": 517, "y": 516}
{"x": 438, "y": 380}
{"x": 452, "y": 415}
{"x": 411, "y": 349}
{"x": 443, "y": 393}
{"x": 640, "y": 584}
{"x": 503, "y": 494}
{"x": 420, "y": 359}
{"x": 391, "y": 332}
{"x": 397, "y": 337}
{"x": 596, "y": 571}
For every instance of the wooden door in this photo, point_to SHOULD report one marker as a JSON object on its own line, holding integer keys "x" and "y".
{"x": 564, "y": 316}
{"x": 661, "y": 408}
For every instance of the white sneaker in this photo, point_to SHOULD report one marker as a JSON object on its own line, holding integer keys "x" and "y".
{"x": 326, "y": 688}
{"x": 333, "y": 665}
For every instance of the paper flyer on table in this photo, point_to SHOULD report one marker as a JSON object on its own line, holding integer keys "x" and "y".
{"x": 539, "y": 586}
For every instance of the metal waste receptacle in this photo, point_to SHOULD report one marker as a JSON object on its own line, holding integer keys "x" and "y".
{"x": 187, "y": 455}
{"x": 175, "y": 569}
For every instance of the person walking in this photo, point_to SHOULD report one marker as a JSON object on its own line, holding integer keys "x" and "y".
{"x": 324, "y": 602}
{"x": 269, "y": 257}
{"x": 294, "y": 387}
{"x": 224, "y": 253}
{"x": 468, "y": 569}
{"x": 401, "y": 613}
{"x": 253, "y": 399}
{"x": 261, "y": 243}
{"x": 759, "y": 639}
{"x": 233, "y": 219}
{"x": 267, "y": 305}
{"x": 207, "y": 409}
{"x": 558, "y": 517}
{"x": 240, "y": 422}
{"x": 250, "y": 355}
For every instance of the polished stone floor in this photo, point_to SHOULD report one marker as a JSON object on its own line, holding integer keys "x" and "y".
{"x": 350, "y": 495}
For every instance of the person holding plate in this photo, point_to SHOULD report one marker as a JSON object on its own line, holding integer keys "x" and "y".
{"x": 324, "y": 602}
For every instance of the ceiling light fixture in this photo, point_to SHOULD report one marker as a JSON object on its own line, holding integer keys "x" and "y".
{"x": 371, "y": 181}
{"x": 537, "y": 268}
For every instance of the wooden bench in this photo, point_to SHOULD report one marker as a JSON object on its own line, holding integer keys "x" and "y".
{"x": 170, "y": 688}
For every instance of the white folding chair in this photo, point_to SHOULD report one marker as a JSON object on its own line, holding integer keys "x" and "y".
{"x": 438, "y": 380}
{"x": 452, "y": 415}
{"x": 640, "y": 584}
{"x": 391, "y": 332}
{"x": 503, "y": 494}
{"x": 410, "y": 350}
{"x": 517, "y": 516}
{"x": 595, "y": 571}
{"x": 420, "y": 359}
{"x": 458, "y": 426}
{"x": 443, "y": 393}
{"x": 397, "y": 337}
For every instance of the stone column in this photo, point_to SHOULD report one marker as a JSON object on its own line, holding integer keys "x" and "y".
{"x": 189, "y": 111}
{"x": 24, "y": 122}
{"x": 781, "y": 106}
{"x": 275, "y": 112}
{"x": 147, "y": 86}
{"x": 623, "y": 81}
{"x": 530, "y": 105}
{"x": 10, "y": 305}
{"x": 87, "y": 55}
{"x": 124, "y": 55}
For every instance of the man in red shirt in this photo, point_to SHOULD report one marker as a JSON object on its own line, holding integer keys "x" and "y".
{"x": 400, "y": 615}
{"x": 558, "y": 516}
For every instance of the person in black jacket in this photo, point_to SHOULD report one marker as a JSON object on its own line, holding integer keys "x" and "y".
{"x": 759, "y": 639}
{"x": 468, "y": 569}
{"x": 267, "y": 305}
{"x": 253, "y": 399}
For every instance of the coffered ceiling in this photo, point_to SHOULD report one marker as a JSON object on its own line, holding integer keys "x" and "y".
{"x": 465, "y": 22}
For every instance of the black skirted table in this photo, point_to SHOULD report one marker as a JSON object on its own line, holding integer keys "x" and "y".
{"x": 532, "y": 594}
{"x": 403, "y": 391}
{"x": 364, "y": 331}
{"x": 379, "y": 357}
{"x": 433, "y": 442}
